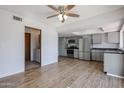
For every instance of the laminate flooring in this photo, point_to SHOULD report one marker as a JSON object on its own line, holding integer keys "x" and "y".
{"x": 67, "y": 73}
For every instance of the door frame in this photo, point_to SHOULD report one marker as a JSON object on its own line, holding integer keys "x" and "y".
{"x": 40, "y": 43}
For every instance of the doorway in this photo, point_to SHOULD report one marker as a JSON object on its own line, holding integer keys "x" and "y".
{"x": 32, "y": 48}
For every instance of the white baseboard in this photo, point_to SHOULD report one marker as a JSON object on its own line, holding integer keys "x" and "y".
{"x": 12, "y": 73}
{"x": 115, "y": 75}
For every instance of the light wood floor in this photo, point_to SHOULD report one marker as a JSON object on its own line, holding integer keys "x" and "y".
{"x": 32, "y": 65}
{"x": 68, "y": 72}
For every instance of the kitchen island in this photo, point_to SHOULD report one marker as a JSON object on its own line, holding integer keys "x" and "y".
{"x": 113, "y": 60}
{"x": 114, "y": 63}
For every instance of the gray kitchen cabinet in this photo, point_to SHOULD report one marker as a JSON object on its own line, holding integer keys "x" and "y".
{"x": 113, "y": 37}
{"x": 76, "y": 53}
{"x": 96, "y": 38}
{"x": 97, "y": 55}
{"x": 93, "y": 55}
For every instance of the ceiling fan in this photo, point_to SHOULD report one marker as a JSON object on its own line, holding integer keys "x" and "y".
{"x": 62, "y": 12}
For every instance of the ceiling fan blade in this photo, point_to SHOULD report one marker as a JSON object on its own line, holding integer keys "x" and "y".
{"x": 72, "y": 15}
{"x": 69, "y": 7}
{"x": 52, "y": 7}
{"x": 52, "y": 16}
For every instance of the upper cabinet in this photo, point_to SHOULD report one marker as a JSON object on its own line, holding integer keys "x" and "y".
{"x": 97, "y": 38}
{"x": 113, "y": 37}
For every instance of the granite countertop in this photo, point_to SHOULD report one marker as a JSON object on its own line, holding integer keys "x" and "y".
{"x": 104, "y": 48}
{"x": 110, "y": 50}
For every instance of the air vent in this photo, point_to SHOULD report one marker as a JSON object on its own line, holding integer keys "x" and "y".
{"x": 17, "y": 18}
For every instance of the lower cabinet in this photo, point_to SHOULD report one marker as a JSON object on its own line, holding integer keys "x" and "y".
{"x": 76, "y": 53}
{"x": 84, "y": 55}
{"x": 97, "y": 55}
{"x": 81, "y": 55}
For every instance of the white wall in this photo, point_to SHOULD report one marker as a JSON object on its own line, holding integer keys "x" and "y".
{"x": 12, "y": 43}
{"x": 49, "y": 46}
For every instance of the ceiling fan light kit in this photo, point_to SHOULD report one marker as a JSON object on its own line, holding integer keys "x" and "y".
{"x": 62, "y": 18}
{"x": 62, "y": 12}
